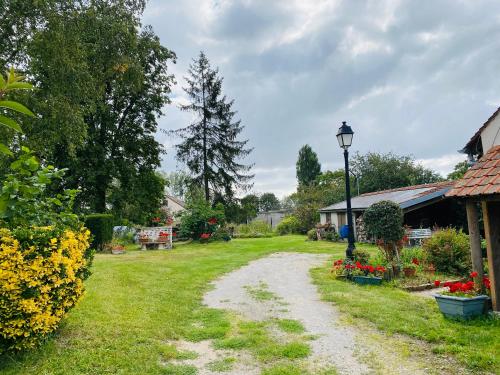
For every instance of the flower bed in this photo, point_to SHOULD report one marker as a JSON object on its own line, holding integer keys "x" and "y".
{"x": 41, "y": 278}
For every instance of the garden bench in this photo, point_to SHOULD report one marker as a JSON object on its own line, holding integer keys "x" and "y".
{"x": 156, "y": 237}
{"x": 418, "y": 235}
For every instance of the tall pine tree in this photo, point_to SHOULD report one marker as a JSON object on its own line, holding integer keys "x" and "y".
{"x": 308, "y": 166}
{"x": 210, "y": 146}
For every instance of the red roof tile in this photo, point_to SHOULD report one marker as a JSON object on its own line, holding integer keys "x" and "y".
{"x": 482, "y": 179}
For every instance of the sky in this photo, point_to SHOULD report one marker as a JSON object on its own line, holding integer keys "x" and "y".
{"x": 409, "y": 77}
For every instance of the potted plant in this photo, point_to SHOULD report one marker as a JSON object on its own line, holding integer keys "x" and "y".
{"x": 204, "y": 237}
{"x": 410, "y": 269}
{"x": 117, "y": 249}
{"x": 143, "y": 238}
{"x": 462, "y": 300}
{"x": 367, "y": 274}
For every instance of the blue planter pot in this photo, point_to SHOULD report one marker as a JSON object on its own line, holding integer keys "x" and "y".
{"x": 366, "y": 280}
{"x": 461, "y": 307}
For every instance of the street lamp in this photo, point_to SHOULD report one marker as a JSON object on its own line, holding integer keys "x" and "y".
{"x": 344, "y": 136}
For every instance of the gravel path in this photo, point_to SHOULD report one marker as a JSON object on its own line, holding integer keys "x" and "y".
{"x": 286, "y": 275}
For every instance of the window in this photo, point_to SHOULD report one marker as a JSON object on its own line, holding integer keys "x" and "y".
{"x": 342, "y": 219}
{"x": 328, "y": 217}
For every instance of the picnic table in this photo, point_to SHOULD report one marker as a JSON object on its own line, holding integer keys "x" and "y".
{"x": 156, "y": 238}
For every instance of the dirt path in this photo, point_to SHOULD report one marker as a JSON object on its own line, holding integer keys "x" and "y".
{"x": 279, "y": 286}
{"x": 286, "y": 275}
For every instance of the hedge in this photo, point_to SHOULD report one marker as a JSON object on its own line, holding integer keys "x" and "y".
{"x": 101, "y": 228}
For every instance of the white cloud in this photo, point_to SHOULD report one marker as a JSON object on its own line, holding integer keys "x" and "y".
{"x": 442, "y": 164}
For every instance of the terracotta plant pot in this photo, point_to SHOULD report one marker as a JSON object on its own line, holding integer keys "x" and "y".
{"x": 409, "y": 271}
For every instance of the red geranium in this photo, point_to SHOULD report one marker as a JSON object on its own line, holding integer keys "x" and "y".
{"x": 486, "y": 282}
{"x": 473, "y": 274}
{"x": 338, "y": 262}
{"x": 205, "y": 236}
{"x": 415, "y": 261}
{"x": 212, "y": 221}
{"x": 437, "y": 282}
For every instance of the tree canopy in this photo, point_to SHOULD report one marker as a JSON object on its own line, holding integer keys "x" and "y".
{"x": 308, "y": 166}
{"x": 388, "y": 171}
{"x": 268, "y": 202}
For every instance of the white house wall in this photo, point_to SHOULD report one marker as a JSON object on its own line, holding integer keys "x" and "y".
{"x": 490, "y": 136}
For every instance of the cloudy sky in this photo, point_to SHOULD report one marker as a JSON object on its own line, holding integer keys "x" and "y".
{"x": 411, "y": 77}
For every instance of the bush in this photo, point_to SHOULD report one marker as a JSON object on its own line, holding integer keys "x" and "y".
{"x": 312, "y": 235}
{"x": 288, "y": 225}
{"x": 41, "y": 278}
{"x": 201, "y": 218}
{"x": 221, "y": 234}
{"x": 361, "y": 256}
{"x": 384, "y": 222}
{"x": 332, "y": 236}
{"x": 254, "y": 229}
{"x": 448, "y": 250}
{"x": 101, "y": 228}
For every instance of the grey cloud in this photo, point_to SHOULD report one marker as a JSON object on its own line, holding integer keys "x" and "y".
{"x": 413, "y": 77}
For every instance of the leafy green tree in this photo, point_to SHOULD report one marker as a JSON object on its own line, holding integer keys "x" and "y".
{"x": 210, "y": 146}
{"x": 459, "y": 170}
{"x": 387, "y": 171}
{"x": 11, "y": 82}
{"x": 308, "y": 166}
{"x": 268, "y": 202}
{"x": 250, "y": 206}
{"x": 100, "y": 94}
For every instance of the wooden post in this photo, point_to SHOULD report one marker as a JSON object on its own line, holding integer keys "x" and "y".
{"x": 475, "y": 241}
{"x": 491, "y": 217}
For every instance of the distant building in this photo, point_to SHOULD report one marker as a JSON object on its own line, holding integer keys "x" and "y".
{"x": 424, "y": 206}
{"x": 273, "y": 217}
{"x": 173, "y": 205}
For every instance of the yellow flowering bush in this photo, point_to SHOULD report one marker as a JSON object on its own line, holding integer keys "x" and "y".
{"x": 41, "y": 278}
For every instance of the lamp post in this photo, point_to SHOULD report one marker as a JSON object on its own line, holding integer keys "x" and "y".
{"x": 344, "y": 136}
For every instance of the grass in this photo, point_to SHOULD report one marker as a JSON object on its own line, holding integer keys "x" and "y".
{"x": 474, "y": 343}
{"x": 137, "y": 303}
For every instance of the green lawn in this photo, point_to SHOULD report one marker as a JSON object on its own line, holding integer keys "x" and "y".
{"x": 136, "y": 302}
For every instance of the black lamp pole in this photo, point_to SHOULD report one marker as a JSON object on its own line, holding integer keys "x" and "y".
{"x": 344, "y": 136}
{"x": 350, "y": 236}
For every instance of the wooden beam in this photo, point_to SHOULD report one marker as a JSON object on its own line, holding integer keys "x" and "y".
{"x": 491, "y": 217}
{"x": 475, "y": 241}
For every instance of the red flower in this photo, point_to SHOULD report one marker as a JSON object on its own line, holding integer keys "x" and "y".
{"x": 437, "y": 282}
{"x": 358, "y": 265}
{"x": 371, "y": 269}
{"x": 212, "y": 221}
{"x": 205, "y": 236}
{"x": 338, "y": 262}
{"x": 486, "y": 282}
{"x": 415, "y": 261}
{"x": 473, "y": 274}
{"x": 155, "y": 220}
{"x": 174, "y": 234}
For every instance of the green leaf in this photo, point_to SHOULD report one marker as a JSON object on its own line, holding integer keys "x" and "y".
{"x": 5, "y": 150}
{"x": 2, "y": 81}
{"x": 10, "y": 123}
{"x": 15, "y": 106}
{"x": 19, "y": 86}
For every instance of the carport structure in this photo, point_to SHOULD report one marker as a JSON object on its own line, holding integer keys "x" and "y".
{"x": 481, "y": 186}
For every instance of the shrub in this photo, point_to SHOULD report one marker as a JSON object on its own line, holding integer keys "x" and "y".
{"x": 361, "y": 256}
{"x": 221, "y": 234}
{"x": 101, "y": 228}
{"x": 384, "y": 222}
{"x": 332, "y": 236}
{"x": 448, "y": 250}
{"x": 254, "y": 229}
{"x": 288, "y": 225}
{"x": 201, "y": 218}
{"x": 41, "y": 278}
{"x": 312, "y": 235}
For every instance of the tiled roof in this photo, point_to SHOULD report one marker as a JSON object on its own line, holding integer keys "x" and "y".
{"x": 406, "y": 197}
{"x": 483, "y": 178}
